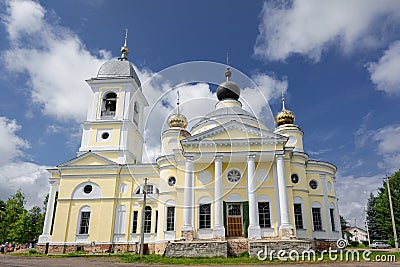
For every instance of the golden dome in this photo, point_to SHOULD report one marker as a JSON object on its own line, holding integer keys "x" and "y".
{"x": 177, "y": 120}
{"x": 284, "y": 116}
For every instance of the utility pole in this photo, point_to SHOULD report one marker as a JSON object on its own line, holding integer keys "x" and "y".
{"x": 366, "y": 226}
{"x": 396, "y": 243}
{"x": 143, "y": 215}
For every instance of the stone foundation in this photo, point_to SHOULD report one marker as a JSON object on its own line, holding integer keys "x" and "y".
{"x": 325, "y": 244}
{"x": 237, "y": 246}
{"x": 187, "y": 235}
{"x": 197, "y": 249}
{"x": 87, "y": 248}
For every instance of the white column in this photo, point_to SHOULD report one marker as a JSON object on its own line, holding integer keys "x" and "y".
{"x": 45, "y": 237}
{"x": 254, "y": 231}
{"x": 326, "y": 209}
{"x": 219, "y": 229}
{"x": 286, "y": 229}
{"x": 188, "y": 211}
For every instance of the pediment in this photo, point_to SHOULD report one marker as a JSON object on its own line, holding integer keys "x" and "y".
{"x": 235, "y": 131}
{"x": 88, "y": 159}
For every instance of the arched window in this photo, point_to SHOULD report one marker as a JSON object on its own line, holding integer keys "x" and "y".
{"x": 316, "y": 216}
{"x": 332, "y": 217}
{"x": 298, "y": 212}
{"x": 147, "y": 219}
{"x": 136, "y": 113}
{"x": 84, "y": 220}
{"x": 109, "y": 105}
{"x": 120, "y": 217}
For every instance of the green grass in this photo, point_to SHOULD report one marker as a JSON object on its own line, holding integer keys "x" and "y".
{"x": 239, "y": 260}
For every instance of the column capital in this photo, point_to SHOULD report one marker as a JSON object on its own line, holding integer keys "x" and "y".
{"x": 218, "y": 158}
{"x": 189, "y": 157}
{"x": 53, "y": 182}
{"x": 251, "y": 156}
{"x": 280, "y": 155}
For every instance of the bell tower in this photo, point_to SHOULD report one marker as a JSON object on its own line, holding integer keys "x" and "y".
{"x": 114, "y": 126}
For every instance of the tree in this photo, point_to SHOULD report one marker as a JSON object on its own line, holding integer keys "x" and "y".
{"x": 16, "y": 223}
{"x": 343, "y": 225}
{"x": 374, "y": 227}
{"x": 379, "y": 211}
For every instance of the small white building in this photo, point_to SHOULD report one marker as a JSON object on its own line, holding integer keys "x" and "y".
{"x": 357, "y": 234}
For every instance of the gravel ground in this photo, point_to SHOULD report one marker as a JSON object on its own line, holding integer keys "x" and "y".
{"x": 16, "y": 261}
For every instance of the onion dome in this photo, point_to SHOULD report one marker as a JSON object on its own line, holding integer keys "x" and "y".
{"x": 284, "y": 116}
{"x": 120, "y": 68}
{"x": 228, "y": 89}
{"x": 177, "y": 120}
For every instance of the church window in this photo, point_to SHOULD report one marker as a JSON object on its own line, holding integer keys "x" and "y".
{"x": 135, "y": 222}
{"x": 171, "y": 181}
{"x": 149, "y": 189}
{"x": 170, "y": 218}
{"x": 295, "y": 178}
{"x": 147, "y": 219}
{"x": 298, "y": 216}
{"x": 84, "y": 223}
{"x": 313, "y": 184}
{"x": 156, "y": 223}
{"x": 317, "y": 220}
{"x": 109, "y": 105}
{"x": 234, "y": 176}
{"x": 205, "y": 216}
{"x": 264, "y": 214}
{"x": 105, "y": 135}
{"x": 87, "y": 189}
{"x": 136, "y": 113}
{"x": 331, "y": 213}
{"x": 119, "y": 227}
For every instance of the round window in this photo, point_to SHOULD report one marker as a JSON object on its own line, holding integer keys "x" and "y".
{"x": 87, "y": 189}
{"x": 313, "y": 184}
{"x": 234, "y": 176}
{"x": 295, "y": 178}
{"x": 105, "y": 135}
{"x": 171, "y": 181}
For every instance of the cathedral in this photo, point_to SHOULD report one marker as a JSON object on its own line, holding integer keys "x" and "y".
{"x": 228, "y": 177}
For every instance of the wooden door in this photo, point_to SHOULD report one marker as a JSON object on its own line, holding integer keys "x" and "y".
{"x": 234, "y": 219}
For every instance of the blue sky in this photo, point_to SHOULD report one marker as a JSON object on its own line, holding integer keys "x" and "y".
{"x": 338, "y": 62}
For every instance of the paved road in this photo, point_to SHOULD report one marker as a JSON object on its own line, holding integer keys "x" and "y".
{"x": 16, "y": 261}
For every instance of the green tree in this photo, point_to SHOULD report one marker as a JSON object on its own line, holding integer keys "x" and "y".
{"x": 374, "y": 227}
{"x": 343, "y": 225}
{"x": 16, "y": 223}
{"x": 3, "y": 224}
{"x": 382, "y": 206}
{"x": 378, "y": 210}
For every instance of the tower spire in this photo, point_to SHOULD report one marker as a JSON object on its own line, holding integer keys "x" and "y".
{"x": 177, "y": 102}
{"x": 228, "y": 72}
{"x": 124, "y": 48}
{"x": 283, "y": 100}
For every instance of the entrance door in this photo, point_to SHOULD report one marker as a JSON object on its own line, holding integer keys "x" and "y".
{"x": 235, "y": 220}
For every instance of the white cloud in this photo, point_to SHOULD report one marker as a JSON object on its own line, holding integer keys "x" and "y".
{"x": 25, "y": 17}
{"x": 16, "y": 174}
{"x": 386, "y": 141}
{"x": 30, "y": 178}
{"x": 11, "y": 145}
{"x": 385, "y": 73}
{"x": 310, "y": 27}
{"x": 353, "y": 193}
{"x": 388, "y": 147}
{"x": 55, "y": 60}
